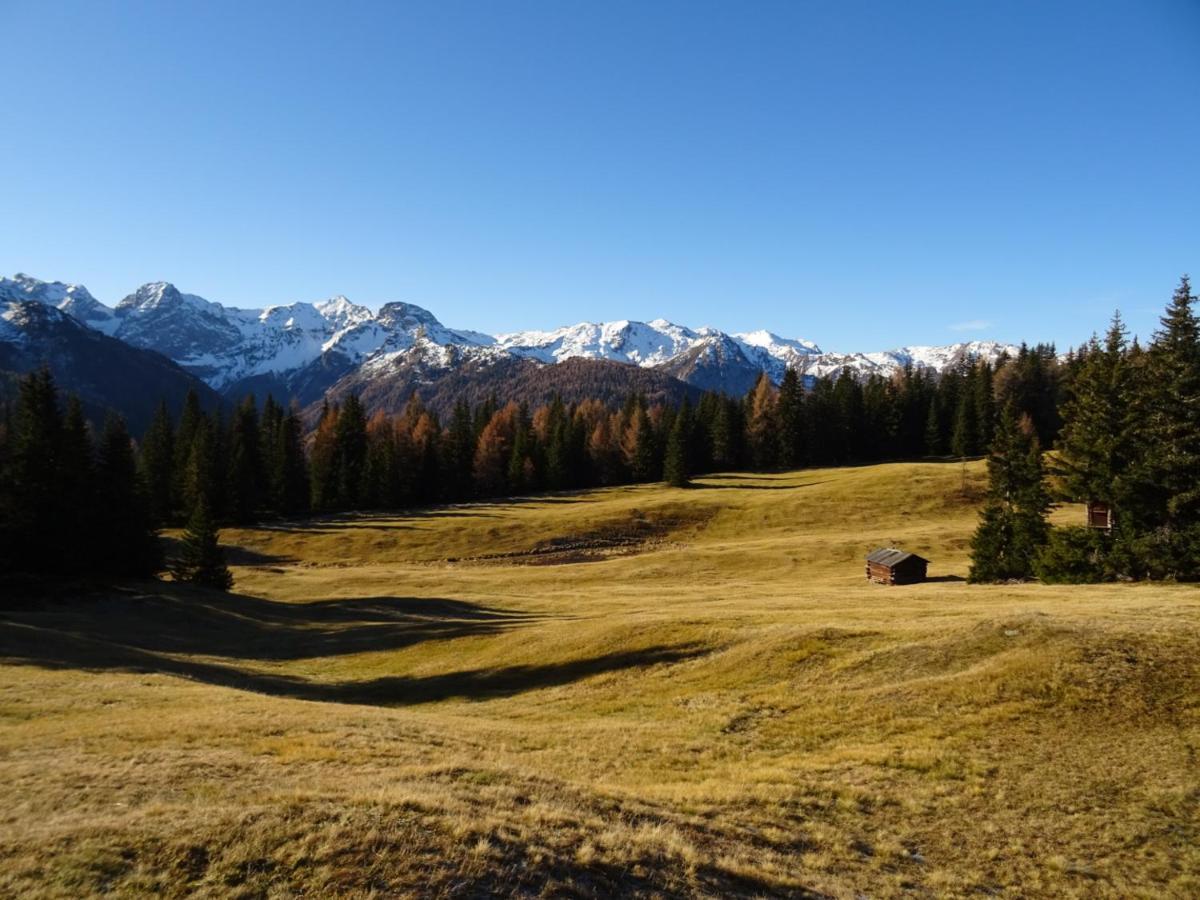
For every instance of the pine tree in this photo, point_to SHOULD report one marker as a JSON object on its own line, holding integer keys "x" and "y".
{"x": 191, "y": 421}
{"x": 246, "y": 475}
{"x": 675, "y": 463}
{"x": 201, "y": 559}
{"x": 199, "y": 476}
{"x": 963, "y": 441}
{"x": 40, "y": 520}
{"x": 985, "y": 405}
{"x": 157, "y": 462}
{"x": 77, "y": 486}
{"x": 291, "y": 469}
{"x": 459, "y": 453}
{"x": 323, "y": 462}
{"x": 126, "y": 538}
{"x": 643, "y": 462}
{"x": 933, "y": 430}
{"x": 1164, "y": 490}
{"x": 1012, "y": 526}
{"x": 790, "y": 408}
{"x": 350, "y": 443}
{"x": 1093, "y": 443}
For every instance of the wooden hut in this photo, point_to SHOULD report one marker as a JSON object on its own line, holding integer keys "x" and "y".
{"x": 1100, "y": 515}
{"x": 888, "y": 565}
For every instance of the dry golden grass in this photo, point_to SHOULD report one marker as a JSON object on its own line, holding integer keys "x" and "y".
{"x": 640, "y": 691}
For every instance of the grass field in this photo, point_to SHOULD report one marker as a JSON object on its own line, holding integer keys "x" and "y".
{"x": 641, "y": 690}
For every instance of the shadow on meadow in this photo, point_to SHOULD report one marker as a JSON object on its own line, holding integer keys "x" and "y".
{"x": 178, "y": 630}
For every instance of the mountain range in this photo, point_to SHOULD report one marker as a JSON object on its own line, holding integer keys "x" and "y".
{"x": 308, "y": 350}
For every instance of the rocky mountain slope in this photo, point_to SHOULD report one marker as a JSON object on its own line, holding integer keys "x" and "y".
{"x": 106, "y": 373}
{"x": 303, "y": 350}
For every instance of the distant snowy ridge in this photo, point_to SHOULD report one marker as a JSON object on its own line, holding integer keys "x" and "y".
{"x": 226, "y": 346}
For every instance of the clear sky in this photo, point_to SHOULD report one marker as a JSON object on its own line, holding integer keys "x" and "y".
{"x": 864, "y": 175}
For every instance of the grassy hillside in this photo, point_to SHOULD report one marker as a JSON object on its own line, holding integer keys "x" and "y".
{"x": 636, "y": 690}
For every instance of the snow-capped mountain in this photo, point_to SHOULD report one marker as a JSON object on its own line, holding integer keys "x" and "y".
{"x": 304, "y": 348}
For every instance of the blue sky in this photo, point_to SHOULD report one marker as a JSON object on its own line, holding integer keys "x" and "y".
{"x": 860, "y": 174}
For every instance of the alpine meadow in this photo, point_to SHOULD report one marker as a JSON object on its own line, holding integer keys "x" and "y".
{"x": 796, "y": 492}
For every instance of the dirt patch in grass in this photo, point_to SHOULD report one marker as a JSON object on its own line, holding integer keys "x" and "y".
{"x": 639, "y": 532}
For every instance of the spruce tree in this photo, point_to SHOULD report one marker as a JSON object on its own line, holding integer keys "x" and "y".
{"x": 191, "y": 421}
{"x": 246, "y": 475}
{"x": 933, "y": 430}
{"x": 790, "y": 409}
{"x": 1093, "y": 443}
{"x": 1165, "y": 488}
{"x": 675, "y": 461}
{"x": 291, "y": 472}
{"x": 157, "y": 463}
{"x": 201, "y": 559}
{"x": 644, "y": 464}
{"x": 963, "y": 441}
{"x": 1012, "y": 527}
{"x": 350, "y": 442}
{"x": 77, "y": 486}
{"x": 40, "y": 525}
{"x": 126, "y": 538}
{"x": 459, "y": 453}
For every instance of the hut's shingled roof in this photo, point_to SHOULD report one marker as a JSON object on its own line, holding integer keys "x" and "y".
{"x": 890, "y": 556}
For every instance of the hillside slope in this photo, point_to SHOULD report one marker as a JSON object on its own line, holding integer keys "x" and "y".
{"x": 638, "y": 690}
{"x": 107, "y": 374}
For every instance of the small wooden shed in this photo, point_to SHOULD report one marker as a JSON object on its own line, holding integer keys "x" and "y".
{"x": 1100, "y": 515}
{"x": 887, "y": 565}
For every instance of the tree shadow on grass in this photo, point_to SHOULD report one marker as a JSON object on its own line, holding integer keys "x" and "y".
{"x": 181, "y": 619}
{"x": 178, "y": 631}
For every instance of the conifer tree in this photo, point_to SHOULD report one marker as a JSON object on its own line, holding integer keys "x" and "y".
{"x": 1093, "y": 444}
{"x": 291, "y": 470}
{"x": 985, "y": 406}
{"x": 157, "y": 462}
{"x": 350, "y": 443}
{"x": 966, "y": 425}
{"x": 39, "y": 525}
{"x": 493, "y": 450}
{"x": 459, "y": 453}
{"x": 643, "y": 461}
{"x": 1012, "y": 527}
{"x": 790, "y": 409}
{"x": 191, "y": 421}
{"x": 933, "y": 430}
{"x": 323, "y": 461}
{"x": 675, "y": 463}
{"x": 126, "y": 539}
{"x": 1164, "y": 495}
{"x": 201, "y": 559}
{"x": 762, "y": 431}
{"x": 246, "y": 475}
{"x": 77, "y": 486}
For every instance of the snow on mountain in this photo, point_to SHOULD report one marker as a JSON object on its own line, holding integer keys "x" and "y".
{"x": 72, "y": 299}
{"x": 229, "y": 347}
{"x": 887, "y": 362}
{"x": 639, "y": 343}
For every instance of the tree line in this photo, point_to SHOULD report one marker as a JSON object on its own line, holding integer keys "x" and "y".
{"x": 210, "y": 468}
{"x": 1129, "y": 440}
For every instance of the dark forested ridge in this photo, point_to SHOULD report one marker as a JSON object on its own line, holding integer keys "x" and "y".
{"x": 108, "y": 375}
{"x": 1120, "y": 415}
